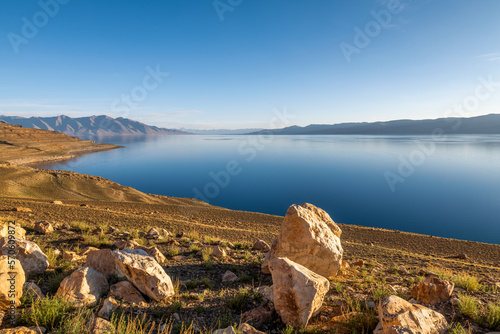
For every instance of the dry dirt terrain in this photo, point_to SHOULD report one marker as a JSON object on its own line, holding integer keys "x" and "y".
{"x": 387, "y": 261}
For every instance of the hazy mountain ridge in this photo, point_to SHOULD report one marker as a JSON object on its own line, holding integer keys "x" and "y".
{"x": 486, "y": 124}
{"x": 222, "y": 131}
{"x": 90, "y": 127}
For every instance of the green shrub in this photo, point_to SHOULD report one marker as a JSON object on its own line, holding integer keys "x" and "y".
{"x": 47, "y": 312}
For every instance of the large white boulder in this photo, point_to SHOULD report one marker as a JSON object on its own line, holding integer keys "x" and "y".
{"x": 308, "y": 237}
{"x": 297, "y": 291}
{"x": 145, "y": 273}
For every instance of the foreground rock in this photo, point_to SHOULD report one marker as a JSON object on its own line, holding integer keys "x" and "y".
{"x": 11, "y": 282}
{"x": 83, "y": 287}
{"x": 7, "y": 229}
{"x": 396, "y": 315}
{"x": 33, "y": 260}
{"x": 43, "y": 227}
{"x": 145, "y": 273}
{"x": 297, "y": 291}
{"x": 308, "y": 237}
{"x": 432, "y": 290}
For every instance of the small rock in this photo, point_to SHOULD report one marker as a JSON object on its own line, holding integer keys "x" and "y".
{"x": 359, "y": 263}
{"x": 98, "y": 230}
{"x": 122, "y": 244}
{"x": 425, "y": 272}
{"x": 100, "y": 326}
{"x": 261, "y": 245}
{"x": 43, "y": 227}
{"x": 266, "y": 291}
{"x": 30, "y": 288}
{"x": 65, "y": 226}
{"x": 229, "y": 277}
{"x": 176, "y": 317}
{"x": 259, "y": 314}
{"x": 454, "y": 301}
{"x": 228, "y": 330}
{"x": 217, "y": 251}
{"x": 71, "y": 256}
{"x": 153, "y": 234}
{"x": 432, "y": 290}
{"x": 179, "y": 258}
{"x": 245, "y": 328}
{"x": 21, "y": 209}
{"x": 108, "y": 307}
{"x": 57, "y": 202}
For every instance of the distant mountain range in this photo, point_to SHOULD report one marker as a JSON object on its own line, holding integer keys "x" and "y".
{"x": 90, "y": 127}
{"x": 221, "y": 131}
{"x": 487, "y": 124}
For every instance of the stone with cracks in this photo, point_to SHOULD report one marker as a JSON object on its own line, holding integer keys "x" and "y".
{"x": 33, "y": 260}
{"x": 10, "y": 290}
{"x": 297, "y": 291}
{"x": 432, "y": 290}
{"x": 308, "y": 237}
{"x": 83, "y": 287}
{"x": 396, "y": 315}
{"x": 145, "y": 273}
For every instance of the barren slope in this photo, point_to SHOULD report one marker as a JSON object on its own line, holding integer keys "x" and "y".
{"x": 27, "y": 146}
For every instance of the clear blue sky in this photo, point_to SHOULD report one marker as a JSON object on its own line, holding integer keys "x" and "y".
{"x": 263, "y": 56}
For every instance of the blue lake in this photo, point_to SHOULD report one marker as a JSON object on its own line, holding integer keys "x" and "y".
{"x": 447, "y": 186}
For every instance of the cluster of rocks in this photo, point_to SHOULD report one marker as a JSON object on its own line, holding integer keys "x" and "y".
{"x": 308, "y": 251}
{"x": 301, "y": 260}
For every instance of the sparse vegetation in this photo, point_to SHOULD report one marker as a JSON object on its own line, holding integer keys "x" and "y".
{"x": 173, "y": 251}
{"x": 48, "y": 312}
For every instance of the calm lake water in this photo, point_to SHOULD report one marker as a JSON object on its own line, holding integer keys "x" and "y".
{"x": 446, "y": 186}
